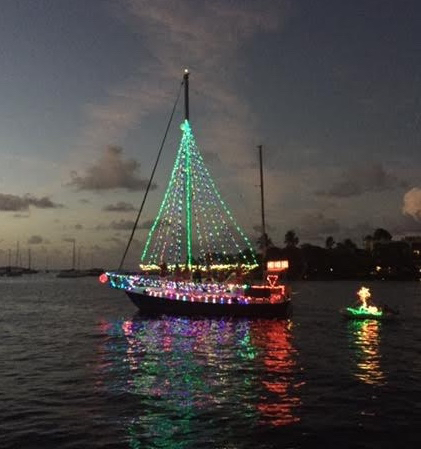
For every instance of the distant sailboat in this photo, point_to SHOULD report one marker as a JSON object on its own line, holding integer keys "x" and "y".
{"x": 73, "y": 272}
{"x": 30, "y": 270}
{"x": 16, "y": 270}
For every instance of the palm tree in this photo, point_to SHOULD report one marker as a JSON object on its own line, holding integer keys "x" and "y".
{"x": 291, "y": 239}
{"x": 330, "y": 242}
{"x": 381, "y": 235}
{"x": 264, "y": 242}
{"x": 348, "y": 245}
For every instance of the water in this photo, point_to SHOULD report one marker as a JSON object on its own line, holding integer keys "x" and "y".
{"x": 79, "y": 369}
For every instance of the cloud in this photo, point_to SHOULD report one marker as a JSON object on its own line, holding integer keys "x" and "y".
{"x": 207, "y": 37}
{"x": 211, "y": 158}
{"x": 110, "y": 172}
{"x": 412, "y": 203}
{"x": 35, "y": 240}
{"x": 147, "y": 224}
{"x": 122, "y": 109}
{"x": 121, "y": 206}
{"x": 403, "y": 225}
{"x": 115, "y": 240}
{"x": 16, "y": 203}
{"x": 122, "y": 225}
{"x": 258, "y": 229}
{"x": 358, "y": 180}
{"x": 317, "y": 225}
{"x": 211, "y": 30}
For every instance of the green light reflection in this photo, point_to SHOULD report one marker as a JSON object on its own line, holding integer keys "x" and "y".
{"x": 197, "y": 381}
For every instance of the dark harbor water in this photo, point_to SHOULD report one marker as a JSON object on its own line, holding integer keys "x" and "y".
{"x": 79, "y": 369}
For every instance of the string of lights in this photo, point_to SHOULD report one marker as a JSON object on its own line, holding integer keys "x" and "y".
{"x": 194, "y": 226}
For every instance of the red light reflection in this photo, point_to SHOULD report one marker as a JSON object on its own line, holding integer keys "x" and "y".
{"x": 279, "y": 405}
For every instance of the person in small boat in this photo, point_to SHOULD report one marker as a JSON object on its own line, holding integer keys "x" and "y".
{"x": 364, "y": 297}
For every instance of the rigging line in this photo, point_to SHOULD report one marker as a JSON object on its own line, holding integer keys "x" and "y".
{"x": 151, "y": 178}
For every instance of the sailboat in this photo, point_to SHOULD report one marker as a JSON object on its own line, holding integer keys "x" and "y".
{"x": 197, "y": 261}
{"x": 72, "y": 272}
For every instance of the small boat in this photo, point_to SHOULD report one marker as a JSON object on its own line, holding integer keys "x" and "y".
{"x": 12, "y": 271}
{"x": 371, "y": 313}
{"x": 364, "y": 311}
{"x": 194, "y": 229}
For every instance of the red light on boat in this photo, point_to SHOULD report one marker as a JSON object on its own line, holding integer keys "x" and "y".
{"x": 103, "y": 278}
{"x": 272, "y": 279}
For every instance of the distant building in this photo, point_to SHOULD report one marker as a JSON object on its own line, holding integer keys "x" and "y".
{"x": 414, "y": 242}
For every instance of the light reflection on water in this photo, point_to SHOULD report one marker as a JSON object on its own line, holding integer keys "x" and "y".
{"x": 365, "y": 339}
{"x": 279, "y": 358}
{"x": 185, "y": 375}
{"x": 68, "y": 382}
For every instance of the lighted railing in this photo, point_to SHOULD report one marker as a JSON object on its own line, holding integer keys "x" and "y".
{"x": 216, "y": 293}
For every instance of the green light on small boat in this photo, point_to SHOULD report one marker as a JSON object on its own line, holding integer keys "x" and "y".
{"x": 364, "y": 311}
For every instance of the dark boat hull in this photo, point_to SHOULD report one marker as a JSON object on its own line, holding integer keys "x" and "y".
{"x": 150, "y": 305}
{"x": 385, "y": 316}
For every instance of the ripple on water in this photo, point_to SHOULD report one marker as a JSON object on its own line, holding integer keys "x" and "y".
{"x": 81, "y": 370}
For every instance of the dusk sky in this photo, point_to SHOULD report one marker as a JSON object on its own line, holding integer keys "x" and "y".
{"x": 330, "y": 88}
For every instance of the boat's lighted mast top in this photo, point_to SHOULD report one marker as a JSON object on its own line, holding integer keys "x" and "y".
{"x": 186, "y": 94}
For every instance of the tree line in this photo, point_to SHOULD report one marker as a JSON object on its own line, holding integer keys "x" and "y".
{"x": 381, "y": 258}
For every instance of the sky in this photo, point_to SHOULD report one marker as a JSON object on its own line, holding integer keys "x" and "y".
{"x": 330, "y": 89}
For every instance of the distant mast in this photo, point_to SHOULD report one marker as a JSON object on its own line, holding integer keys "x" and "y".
{"x": 262, "y": 202}
{"x": 79, "y": 255}
{"x": 17, "y": 254}
{"x": 74, "y": 254}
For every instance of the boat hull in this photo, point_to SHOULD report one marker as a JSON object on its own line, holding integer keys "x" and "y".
{"x": 384, "y": 316}
{"x": 151, "y": 305}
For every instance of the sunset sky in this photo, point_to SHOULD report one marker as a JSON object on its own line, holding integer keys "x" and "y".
{"x": 331, "y": 89}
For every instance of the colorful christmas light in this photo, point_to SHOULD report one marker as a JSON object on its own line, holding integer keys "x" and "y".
{"x": 193, "y": 225}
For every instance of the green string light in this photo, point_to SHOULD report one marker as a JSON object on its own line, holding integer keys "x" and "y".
{"x": 193, "y": 218}
{"x": 186, "y": 129}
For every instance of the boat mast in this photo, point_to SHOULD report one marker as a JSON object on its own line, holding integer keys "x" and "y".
{"x": 186, "y": 94}
{"x": 262, "y": 202}
{"x": 17, "y": 254}
{"x": 188, "y": 186}
{"x": 74, "y": 254}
